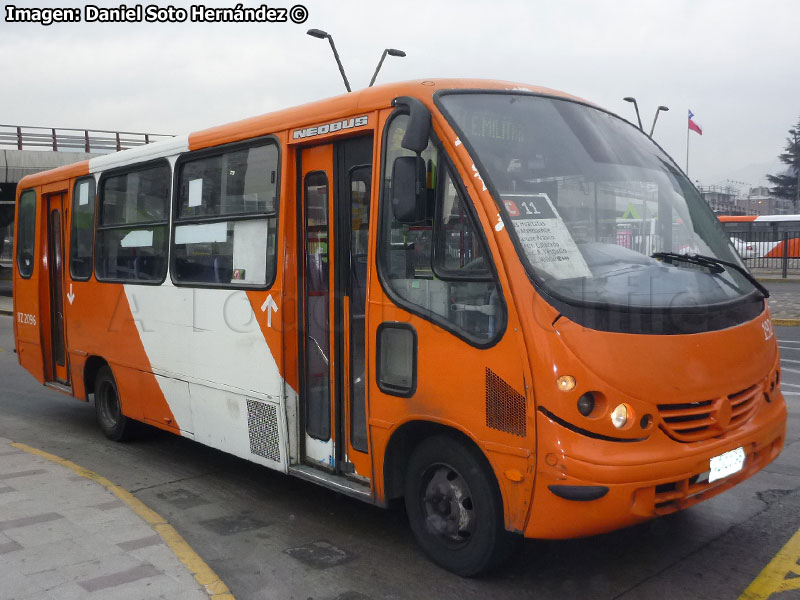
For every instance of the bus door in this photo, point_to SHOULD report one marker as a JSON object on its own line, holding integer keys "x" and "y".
{"x": 55, "y": 260}
{"x": 334, "y": 215}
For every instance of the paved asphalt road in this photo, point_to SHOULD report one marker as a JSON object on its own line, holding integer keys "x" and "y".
{"x": 243, "y": 519}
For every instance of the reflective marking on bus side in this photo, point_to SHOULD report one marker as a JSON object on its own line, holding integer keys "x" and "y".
{"x": 782, "y": 574}
{"x": 203, "y": 574}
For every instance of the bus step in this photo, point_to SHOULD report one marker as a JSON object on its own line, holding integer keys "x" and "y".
{"x": 334, "y": 482}
{"x": 61, "y": 387}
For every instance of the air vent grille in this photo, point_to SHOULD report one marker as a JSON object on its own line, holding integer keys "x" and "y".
{"x": 262, "y": 423}
{"x": 505, "y": 408}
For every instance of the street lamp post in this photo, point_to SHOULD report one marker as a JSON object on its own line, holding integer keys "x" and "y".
{"x": 639, "y": 118}
{"x": 321, "y": 35}
{"x": 636, "y": 106}
{"x": 655, "y": 118}
{"x": 390, "y": 52}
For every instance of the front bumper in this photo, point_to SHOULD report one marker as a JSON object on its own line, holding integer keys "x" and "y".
{"x": 645, "y": 479}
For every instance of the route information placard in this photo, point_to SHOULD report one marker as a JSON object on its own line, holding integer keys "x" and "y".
{"x": 544, "y": 236}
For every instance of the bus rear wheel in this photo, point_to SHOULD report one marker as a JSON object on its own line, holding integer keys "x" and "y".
{"x": 454, "y": 507}
{"x": 113, "y": 423}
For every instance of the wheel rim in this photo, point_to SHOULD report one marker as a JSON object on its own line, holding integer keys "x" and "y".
{"x": 108, "y": 405}
{"x": 447, "y": 505}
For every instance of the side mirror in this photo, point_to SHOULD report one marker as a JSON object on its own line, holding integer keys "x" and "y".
{"x": 408, "y": 189}
{"x": 419, "y": 124}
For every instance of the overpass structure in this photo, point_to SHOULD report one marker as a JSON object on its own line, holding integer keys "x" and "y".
{"x": 25, "y": 150}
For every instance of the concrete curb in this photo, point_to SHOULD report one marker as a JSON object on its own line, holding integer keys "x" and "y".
{"x": 203, "y": 574}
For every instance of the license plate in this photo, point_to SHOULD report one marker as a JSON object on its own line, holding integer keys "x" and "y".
{"x": 726, "y": 464}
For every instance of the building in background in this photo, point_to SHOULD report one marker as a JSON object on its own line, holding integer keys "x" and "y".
{"x": 25, "y": 150}
{"x": 731, "y": 200}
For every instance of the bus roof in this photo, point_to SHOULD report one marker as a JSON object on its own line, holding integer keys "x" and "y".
{"x": 364, "y": 100}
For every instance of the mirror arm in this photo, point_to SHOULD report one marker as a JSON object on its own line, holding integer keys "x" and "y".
{"x": 419, "y": 125}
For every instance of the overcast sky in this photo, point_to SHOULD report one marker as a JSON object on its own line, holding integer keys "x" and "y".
{"x": 733, "y": 62}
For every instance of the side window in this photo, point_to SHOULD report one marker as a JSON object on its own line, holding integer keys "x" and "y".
{"x": 133, "y": 225}
{"x": 81, "y": 246}
{"x": 459, "y": 252}
{"x": 438, "y": 267}
{"x": 26, "y": 232}
{"x": 225, "y": 226}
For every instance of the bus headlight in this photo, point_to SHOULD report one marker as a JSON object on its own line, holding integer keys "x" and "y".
{"x": 620, "y": 415}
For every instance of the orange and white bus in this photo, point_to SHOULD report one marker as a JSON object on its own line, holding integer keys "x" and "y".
{"x": 764, "y": 236}
{"x": 499, "y": 303}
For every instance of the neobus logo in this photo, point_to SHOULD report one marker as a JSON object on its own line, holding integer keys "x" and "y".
{"x": 299, "y": 134}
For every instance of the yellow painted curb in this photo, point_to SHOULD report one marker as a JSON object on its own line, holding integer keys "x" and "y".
{"x": 203, "y": 574}
{"x": 786, "y": 322}
{"x": 781, "y": 574}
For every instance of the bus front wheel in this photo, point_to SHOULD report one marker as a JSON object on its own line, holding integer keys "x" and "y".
{"x": 454, "y": 507}
{"x": 113, "y": 423}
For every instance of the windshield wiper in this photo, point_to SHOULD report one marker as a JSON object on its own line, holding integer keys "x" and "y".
{"x": 715, "y": 265}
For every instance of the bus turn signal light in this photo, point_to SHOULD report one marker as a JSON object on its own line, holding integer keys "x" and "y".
{"x": 566, "y": 383}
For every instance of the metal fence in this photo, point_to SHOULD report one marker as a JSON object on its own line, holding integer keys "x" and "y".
{"x": 768, "y": 248}
{"x": 58, "y": 139}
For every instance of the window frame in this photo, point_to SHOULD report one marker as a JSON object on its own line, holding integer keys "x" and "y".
{"x": 387, "y": 388}
{"x": 385, "y": 205}
{"x": 124, "y": 170}
{"x": 271, "y": 272}
{"x": 446, "y": 170}
{"x": 93, "y": 200}
{"x": 17, "y": 256}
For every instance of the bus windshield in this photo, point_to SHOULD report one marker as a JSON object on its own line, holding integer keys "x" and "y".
{"x": 591, "y": 202}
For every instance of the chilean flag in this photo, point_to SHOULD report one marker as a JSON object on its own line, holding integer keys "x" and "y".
{"x": 694, "y": 126}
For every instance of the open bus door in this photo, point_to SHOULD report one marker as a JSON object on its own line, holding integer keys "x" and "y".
{"x": 335, "y": 182}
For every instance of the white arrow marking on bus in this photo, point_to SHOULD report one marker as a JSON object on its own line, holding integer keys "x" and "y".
{"x": 270, "y": 304}
{"x": 70, "y": 296}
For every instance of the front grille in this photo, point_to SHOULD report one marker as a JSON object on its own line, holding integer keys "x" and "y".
{"x": 697, "y": 421}
{"x": 672, "y": 495}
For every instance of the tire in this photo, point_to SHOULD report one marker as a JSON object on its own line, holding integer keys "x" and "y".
{"x": 112, "y": 422}
{"x": 454, "y": 507}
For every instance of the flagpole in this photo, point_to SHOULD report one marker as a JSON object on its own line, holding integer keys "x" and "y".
{"x": 687, "y": 147}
